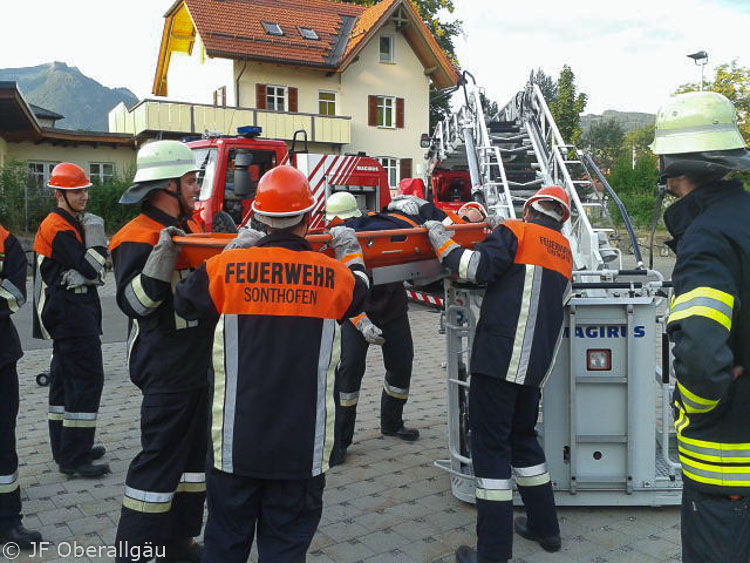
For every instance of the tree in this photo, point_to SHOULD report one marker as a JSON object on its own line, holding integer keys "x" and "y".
{"x": 604, "y": 139}
{"x": 636, "y": 187}
{"x": 566, "y": 108}
{"x": 444, "y": 31}
{"x": 733, "y": 81}
{"x": 640, "y": 139}
{"x": 546, "y": 84}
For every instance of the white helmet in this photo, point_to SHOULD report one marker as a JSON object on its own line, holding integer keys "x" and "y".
{"x": 342, "y": 205}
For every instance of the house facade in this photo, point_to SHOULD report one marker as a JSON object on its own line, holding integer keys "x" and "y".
{"x": 355, "y": 78}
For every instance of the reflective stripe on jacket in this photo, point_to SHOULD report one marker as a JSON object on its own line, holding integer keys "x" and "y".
{"x": 709, "y": 325}
{"x": 278, "y": 308}
{"x": 12, "y": 295}
{"x": 527, "y": 267}
{"x": 59, "y": 246}
{"x": 167, "y": 353}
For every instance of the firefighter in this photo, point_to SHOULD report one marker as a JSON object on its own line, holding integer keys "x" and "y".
{"x": 277, "y": 307}
{"x": 527, "y": 266}
{"x": 169, "y": 358}
{"x": 698, "y": 144}
{"x": 385, "y": 322}
{"x": 71, "y": 254}
{"x": 12, "y": 298}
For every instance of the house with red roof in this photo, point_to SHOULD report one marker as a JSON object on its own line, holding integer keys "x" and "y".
{"x": 355, "y": 78}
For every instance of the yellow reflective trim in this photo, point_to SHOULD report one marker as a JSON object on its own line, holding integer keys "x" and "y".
{"x": 534, "y": 481}
{"x": 146, "y": 507}
{"x": 702, "y": 311}
{"x": 217, "y": 410}
{"x": 707, "y": 404}
{"x": 348, "y": 402}
{"x": 73, "y": 423}
{"x": 501, "y": 495}
{"x": 4, "y": 489}
{"x": 714, "y": 458}
{"x": 709, "y": 292}
{"x": 55, "y": 416}
{"x": 191, "y": 487}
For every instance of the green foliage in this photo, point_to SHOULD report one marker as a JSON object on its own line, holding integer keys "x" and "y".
{"x": 546, "y": 84}
{"x": 567, "y": 107}
{"x": 733, "y": 81}
{"x": 636, "y": 187}
{"x": 103, "y": 201}
{"x": 604, "y": 140}
{"x": 640, "y": 139}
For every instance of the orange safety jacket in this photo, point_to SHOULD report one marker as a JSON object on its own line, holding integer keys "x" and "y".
{"x": 527, "y": 267}
{"x": 167, "y": 353}
{"x": 12, "y": 295}
{"x": 59, "y": 246}
{"x": 277, "y": 308}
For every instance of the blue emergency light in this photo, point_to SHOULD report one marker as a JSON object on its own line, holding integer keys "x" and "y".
{"x": 249, "y": 131}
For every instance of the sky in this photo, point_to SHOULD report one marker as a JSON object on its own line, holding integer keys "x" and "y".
{"x": 627, "y": 55}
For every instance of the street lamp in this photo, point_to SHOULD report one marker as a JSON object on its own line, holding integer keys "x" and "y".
{"x": 701, "y": 59}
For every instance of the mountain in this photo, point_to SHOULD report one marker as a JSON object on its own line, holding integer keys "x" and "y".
{"x": 628, "y": 119}
{"x": 56, "y": 86}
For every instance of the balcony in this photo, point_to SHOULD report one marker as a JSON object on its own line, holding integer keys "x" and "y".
{"x": 178, "y": 118}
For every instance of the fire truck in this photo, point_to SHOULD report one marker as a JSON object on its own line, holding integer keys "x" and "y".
{"x": 230, "y": 167}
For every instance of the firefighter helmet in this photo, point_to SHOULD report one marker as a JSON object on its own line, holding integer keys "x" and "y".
{"x": 156, "y": 164}
{"x": 342, "y": 205}
{"x": 283, "y": 197}
{"x": 554, "y": 194}
{"x": 472, "y": 205}
{"x": 68, "y": 176}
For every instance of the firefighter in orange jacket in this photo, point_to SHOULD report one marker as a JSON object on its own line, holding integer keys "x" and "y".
{"x": 169, "y": 358}
{"x": 12, "y": 297}
{"x": 278, "y": 308}
{"x": 71, "y": 253}
{"x": 527, "y": 266}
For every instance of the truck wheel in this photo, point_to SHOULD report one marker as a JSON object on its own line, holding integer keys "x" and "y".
{"x": 42, "y": 379}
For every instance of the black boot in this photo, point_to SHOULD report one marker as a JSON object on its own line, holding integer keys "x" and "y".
{"x": 338, "y": 456}
{"x": 88, "y": 470}
{"x": 466, "y": 554}
{"x": 97, "y": 452}
{"x": 20, "y": 536}
{"x": 551, "y": 544}
{"x": 186, "y": 550}
{"x": 407, "y": 434}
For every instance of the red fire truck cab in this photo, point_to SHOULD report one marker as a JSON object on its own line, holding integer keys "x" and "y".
{"x": 231, "y": 167}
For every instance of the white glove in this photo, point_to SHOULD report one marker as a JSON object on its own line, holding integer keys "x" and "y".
{"x": 440, "y": 240}
{"x": 408, "y": 204}
{"x": 163, "y": 257}
{"x": 371, "y": 333}
{"x": 93, "y": 230}
{"x": 345, "y": 245}
{"x": 245, "y": 238}
{"x": 73, "y": 279}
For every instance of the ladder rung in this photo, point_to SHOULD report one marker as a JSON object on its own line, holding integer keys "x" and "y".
{"x": 601, "y": 439}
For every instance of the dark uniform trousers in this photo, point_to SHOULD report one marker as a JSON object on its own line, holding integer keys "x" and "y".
{"x": 715, "y": 528}
{"x": 76, "y": 382}
{"x": 10, "y": 494}
{"x": 284, "y": 514}
{"x": 398, "y": 353}
{"x": 502, "y": 419}
{"x": 165, "y": 487}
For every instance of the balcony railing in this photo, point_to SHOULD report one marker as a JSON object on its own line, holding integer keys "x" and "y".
{"x": 185, "y": 118}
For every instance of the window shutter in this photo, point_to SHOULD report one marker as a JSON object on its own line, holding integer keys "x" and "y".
{"x": 405, "y": 168}
{"x": 292, "y": 99}
{"x": 260, "y": 96}
{"x": 372, "y": 111}
{"x": 399, "y": 113}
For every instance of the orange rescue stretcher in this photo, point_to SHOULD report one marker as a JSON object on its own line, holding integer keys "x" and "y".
{"x": 380, "y": 248}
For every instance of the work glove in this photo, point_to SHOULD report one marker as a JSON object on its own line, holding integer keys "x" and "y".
{"x": 493, "y": 221}
{"x": 160, "y": 263}
{"x": 73, "y": 279}
{"x": 93, "y": 230}
{"x": 440, "y": 240}
{"x": 371, "y": 333}
{"x": 408, "y": 204}
{"x": 346, "y": 246}
{"x": 245, "y": 238}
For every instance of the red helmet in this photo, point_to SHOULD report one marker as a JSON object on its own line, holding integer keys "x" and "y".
{"x": 68, "y": 176}
{"x": 551, "y": 193}
{"x": 283, "y": 194}
{"x": 472, "y": 205}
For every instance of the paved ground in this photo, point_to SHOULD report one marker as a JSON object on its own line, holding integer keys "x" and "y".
{"x": 388, "y": 503}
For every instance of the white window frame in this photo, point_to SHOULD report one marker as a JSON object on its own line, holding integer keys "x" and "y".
{"x": 40, "y": 176}
{"x": 327, "y": 102}
{"x": 392, "y": 168}
{"x": 284, "y": 96}
{"x": 384, "y": 104}
{"x": 272, "y": 28}
{"x": 100, "y": 176}
{"x": 312, "y": 35}
{"x": 389, "y": 57}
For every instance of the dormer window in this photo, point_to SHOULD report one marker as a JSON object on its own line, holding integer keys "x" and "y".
{"x": 308, "y": 33}
{"x": 386, "y": 48}
{"x": 272, "y": 28}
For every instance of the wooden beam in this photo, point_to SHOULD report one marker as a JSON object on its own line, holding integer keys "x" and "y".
{"x": 429, "y": 71}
